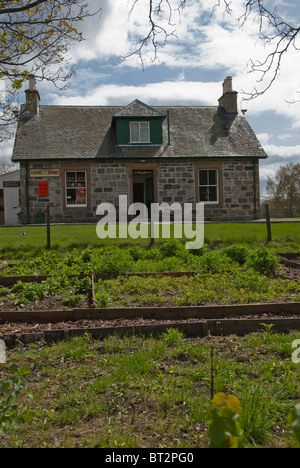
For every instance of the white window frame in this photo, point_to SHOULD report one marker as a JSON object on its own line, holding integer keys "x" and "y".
{"x": 212, "y": 202}
{"x": 77, "y": 185}
{"x": 140, "y": 139}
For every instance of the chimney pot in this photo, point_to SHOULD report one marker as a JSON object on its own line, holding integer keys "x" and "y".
{"x": 32, "y": 83}
{"x": 227, "y": 85}
{"x": 32, "y": 97}
{"x": 229, "y": 97}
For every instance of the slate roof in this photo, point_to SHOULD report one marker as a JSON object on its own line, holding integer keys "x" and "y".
{"x": 81, "y": 133}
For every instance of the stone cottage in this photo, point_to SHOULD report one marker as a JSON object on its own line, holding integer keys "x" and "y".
{"x": 74, "y": 157}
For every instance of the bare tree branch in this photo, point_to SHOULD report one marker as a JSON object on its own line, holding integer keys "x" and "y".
{"x": 277, "y": 33}
{"x": 158, "y": 33}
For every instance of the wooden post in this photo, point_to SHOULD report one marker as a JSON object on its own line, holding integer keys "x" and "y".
{"x": 268, "y": 223}
{"x": 212, "y": 383}
{"x": 48, "y": 228}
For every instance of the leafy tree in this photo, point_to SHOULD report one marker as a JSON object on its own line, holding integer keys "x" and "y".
{"x": 285, "y": 189}
{"x": 34, "y": 39}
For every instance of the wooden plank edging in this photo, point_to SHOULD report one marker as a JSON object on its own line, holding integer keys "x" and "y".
{"x": 190, "y": 329}
{"x": 158, "y": 313}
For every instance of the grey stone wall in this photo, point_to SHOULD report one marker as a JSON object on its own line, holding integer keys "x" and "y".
{"x": 238, "y": 190}
{"x": 176, "y": 182}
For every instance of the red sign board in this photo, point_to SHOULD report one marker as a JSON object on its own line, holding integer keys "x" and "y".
{"x": 43, "y": 189}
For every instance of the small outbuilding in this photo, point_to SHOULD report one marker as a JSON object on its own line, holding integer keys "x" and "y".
{"x": 10, "y": 203}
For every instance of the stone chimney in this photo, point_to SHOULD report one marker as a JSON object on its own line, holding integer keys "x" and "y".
{"x": 229, "y": 98}
{"x": 32, "y": 97}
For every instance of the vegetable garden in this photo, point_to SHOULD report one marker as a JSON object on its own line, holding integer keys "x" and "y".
{"x": 142, "y": 280}
{"x": 132, "y": 390}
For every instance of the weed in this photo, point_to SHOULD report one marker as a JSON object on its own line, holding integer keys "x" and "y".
{"x": 101, "y": 297}
{"x": 173, "y": 336}
{"x": 255, "y": 418}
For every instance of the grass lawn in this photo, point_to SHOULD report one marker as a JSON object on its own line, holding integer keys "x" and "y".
{"x": 152, "y": 392}
{"x": 15, "y": 245}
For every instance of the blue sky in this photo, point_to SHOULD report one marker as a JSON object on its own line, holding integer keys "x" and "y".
{"x": 189, "y": 69}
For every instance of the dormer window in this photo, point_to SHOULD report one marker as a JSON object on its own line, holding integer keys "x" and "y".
{"x": 139, "y": 125}
{"x": 139, "y": 132}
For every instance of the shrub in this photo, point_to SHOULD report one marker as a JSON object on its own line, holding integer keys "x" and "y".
{"x": 213, "y": 261}
{"x": 263, "y": 260}
{"x": 237, "y": 252}
{"x": 113, "y": 260}
{"x": 172, "y": 248}
{"x": 137, "y": 253}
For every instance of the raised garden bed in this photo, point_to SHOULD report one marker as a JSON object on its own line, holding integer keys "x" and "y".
{"x": 51, "y": 319}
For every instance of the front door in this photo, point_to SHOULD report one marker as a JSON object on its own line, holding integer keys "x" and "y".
{"x": 149, "y": 192}
{"x": 2, "y": 217}
{"x": 138, "y": 192}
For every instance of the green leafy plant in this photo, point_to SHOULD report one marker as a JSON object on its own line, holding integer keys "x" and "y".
{"x": 10, "y": 389}
{"x": 173, "y": 336}
{"x": 112, "y": 261}
{"x": 263, "y": 260}
{"x": 237, "y": 252}
{"x": 101, "y": 297}
{"x": 224, "y": 429}
{"x": 73, "y": 299}
{"x": 294, "y": 419}
{"x": 255, "y": 417}
{"x": 172, "y": 248}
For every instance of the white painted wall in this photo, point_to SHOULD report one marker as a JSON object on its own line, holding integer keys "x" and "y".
{"x": 11, "y": 199}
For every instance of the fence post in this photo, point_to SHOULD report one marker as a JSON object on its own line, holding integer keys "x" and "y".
{"x": 267, "y": 207}
{"x": 48, "y": 228}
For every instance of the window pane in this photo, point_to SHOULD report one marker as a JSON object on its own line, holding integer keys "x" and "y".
{"x": 203, "y": 194}
{"x": 213, "y": 195}
{"x": 208, "y": 186}
{"x": 76, "y": 188}
{"x": 70, "y": 179}
{"x": 80, "y": 197}
{"x": 213, "y": 180}
{"x": 80, "y": 179}
{"x": 134, "y": 131}
{"x": 144, "y": 132}
{"x": 71, "y": 197}
{"x": 203, "y": 178}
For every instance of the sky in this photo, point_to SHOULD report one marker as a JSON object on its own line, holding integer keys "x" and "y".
{"x": 204, "y": 46}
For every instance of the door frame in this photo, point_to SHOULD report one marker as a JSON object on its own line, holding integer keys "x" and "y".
{"x": 143, "y": 166}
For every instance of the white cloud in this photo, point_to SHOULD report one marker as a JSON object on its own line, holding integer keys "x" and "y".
{"x": 283, "y": 152}
{"x": 6, "y": 149}
{"x": 204, "y": 42}
{"x": 163, "y": 93}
